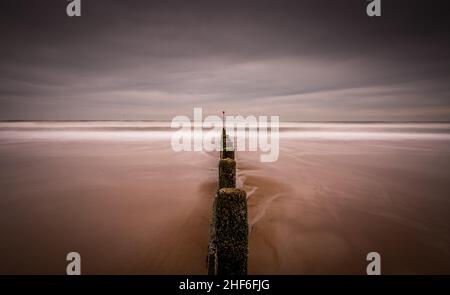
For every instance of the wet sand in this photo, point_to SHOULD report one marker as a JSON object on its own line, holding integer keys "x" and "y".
{"x": 126, "y": 207}
{"x": 324, "y": 205}
{"x": 130, "y": 205}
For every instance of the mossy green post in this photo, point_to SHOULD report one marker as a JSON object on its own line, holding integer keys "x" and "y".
{"x": 227, "y": 173}
{"x": 228, "y": 152}
{"x": 224, "y": 138}
{"x": 227, "y": 147}
{"x": 231, "y": 232}
{"x": 228, "y": 246}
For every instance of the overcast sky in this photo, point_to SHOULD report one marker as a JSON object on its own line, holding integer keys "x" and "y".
{"x": 302, "y": 60}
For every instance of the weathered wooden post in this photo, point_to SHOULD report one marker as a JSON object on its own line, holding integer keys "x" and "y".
{"x": 224, "y": 134}
{"x": 228, "y": 149}
{"x": 228, "y": 246}
{"x": 227, "y": 173}
{"x": 231, "y": 232}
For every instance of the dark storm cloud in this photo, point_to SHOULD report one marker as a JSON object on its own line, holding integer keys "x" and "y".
{"x": 303, "y": 60}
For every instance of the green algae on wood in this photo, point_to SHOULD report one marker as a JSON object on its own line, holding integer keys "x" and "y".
{"x": 227, "y": 173}
{"x": 231, "y": 232}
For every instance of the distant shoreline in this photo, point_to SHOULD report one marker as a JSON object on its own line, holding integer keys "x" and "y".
{"x": 331, "y": 122}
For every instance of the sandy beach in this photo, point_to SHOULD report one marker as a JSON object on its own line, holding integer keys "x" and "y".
{"x": 331, "y": 203}
{"x": 120, "y": 196}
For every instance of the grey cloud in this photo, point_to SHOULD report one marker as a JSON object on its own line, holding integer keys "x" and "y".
{"x": 147, "y": 59}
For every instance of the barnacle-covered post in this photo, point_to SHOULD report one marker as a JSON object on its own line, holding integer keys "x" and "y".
{"x": 228, "y": 246}
{"x": 227, "y": 173}
{"x": 231, "y": 232}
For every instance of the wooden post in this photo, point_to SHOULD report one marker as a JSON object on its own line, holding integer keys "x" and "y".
{"x": 227, "y": 173}
{"x": 228, "y": 246}
{"x": 231, "y": 232}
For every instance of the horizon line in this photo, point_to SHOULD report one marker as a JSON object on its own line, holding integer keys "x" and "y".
{"x": 288, "y": 121}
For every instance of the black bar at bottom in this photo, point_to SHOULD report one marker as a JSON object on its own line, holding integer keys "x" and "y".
{"x": 226, "y": 285}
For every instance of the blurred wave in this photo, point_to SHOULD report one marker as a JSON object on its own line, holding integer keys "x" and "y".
{"x": 138, "y": 130}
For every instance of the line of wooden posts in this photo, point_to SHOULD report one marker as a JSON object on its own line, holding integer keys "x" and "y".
{"x": 228, "y": 246}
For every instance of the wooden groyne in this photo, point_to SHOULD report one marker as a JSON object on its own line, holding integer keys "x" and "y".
{"x": 228, "y": 246}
